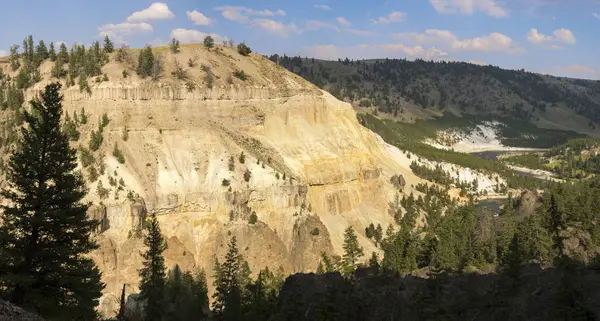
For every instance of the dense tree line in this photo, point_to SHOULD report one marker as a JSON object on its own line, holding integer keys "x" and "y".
{"x": 390, "y": 83}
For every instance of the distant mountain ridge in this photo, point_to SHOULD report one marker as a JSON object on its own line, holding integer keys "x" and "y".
{"x": 410, "y": 90}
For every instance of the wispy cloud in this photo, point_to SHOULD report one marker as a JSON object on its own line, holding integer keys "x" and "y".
{"x": 493, "y": 42}
{"x": 468, "y": 7}
{"x": 363, "y": 51}
{"x": 312, "y": 25}
{"x": 343, "y": 22}
{"x": 322, "y": 7}
{"x": 395, "y": 16}
{"x": 243, "y": 15}
{"x": 120, "y": 30}
{"x": 596, "y": 15}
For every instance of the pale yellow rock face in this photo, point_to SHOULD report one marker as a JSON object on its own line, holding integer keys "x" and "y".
{"x": 337, "y": 173}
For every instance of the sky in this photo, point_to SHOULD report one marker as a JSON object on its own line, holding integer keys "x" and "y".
{"x": 559, "y": 37}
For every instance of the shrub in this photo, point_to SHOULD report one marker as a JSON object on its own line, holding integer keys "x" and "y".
{"x": 92, "y": 174}
{"x": 240, "y": 74}
{"x": 174, "y": 46}
{"x": 178, "y": 71}
{"x": 125, "y": 73}
{"x": 190, "y": 85}
{"x": 247, "y": 175}
{"x": 121, "y": 182}
{"x": 118, "y": 154}
{"x": 122, "y": 55}
{"x": 225, "y": 182}
{"x": 242, "y": 158}
{"x": 315, "y": 231}
{"x": 231, "y": 164}
{"x": 83, "y": 118}
{"x": 125, "y": 133}
{"x": 253, "y": 218}
{"x": 105, "y": 120}
{"x": 83, "y": 84}
{"x": 192, "y": 62}
{"x": 112, "y": 181}
{"x": 209, "y": 42}
{"x": 87, "y": 158}
{"x": 208, "y": 76}
{"x": 95, "y": 140}
{"x": 243, "y": 49}
{"x": 101, "y": 191}
{"x": 105, "y": 78}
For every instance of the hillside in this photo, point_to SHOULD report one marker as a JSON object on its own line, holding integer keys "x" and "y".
{"x": 173, "y": 145}
{"x": 411, "y": 90}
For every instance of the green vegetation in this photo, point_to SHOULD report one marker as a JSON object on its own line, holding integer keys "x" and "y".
{"x": 174, "y": 46}
{"x": 145, "y": 62}
{"x": 243, "y": 49}
{"x": 45, "y": 217}
{"x": 152, "y": 274}
{"x": 209, "y": 42}
{"x": 109, "y": 47}
{"x": 240, "y": 74}
{"x": 393, "y": 133}
{"x": 118, "y": 154}
{"x": 396, "y": 86}
{"x": 253, "y": 218}
{"x": 576, "y": 159}
{"x": 247, "y": 175}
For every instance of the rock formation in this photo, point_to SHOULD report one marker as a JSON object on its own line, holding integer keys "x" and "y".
{"x": 313, "y": 170}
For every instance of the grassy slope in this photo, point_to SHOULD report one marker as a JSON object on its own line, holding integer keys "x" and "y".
{"x": 416, "y": 90}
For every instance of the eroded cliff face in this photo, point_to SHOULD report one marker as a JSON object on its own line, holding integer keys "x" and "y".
{"x": 313, "y": 169}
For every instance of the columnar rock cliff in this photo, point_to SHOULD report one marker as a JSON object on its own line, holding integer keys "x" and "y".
{"x": 310, "y": 170}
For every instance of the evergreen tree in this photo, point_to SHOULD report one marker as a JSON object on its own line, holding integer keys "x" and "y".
{"x": 45, "y": 226}
{"x": 230, "y": 279}
{"x": 14, "y": 57}
{"x": 328, "y": 263}
{"x": 557, "y": 222}
{"x": 352, "y": 251}
{"x": 122, "y": 306}
{"x": 145, "y": 62}
{"x": 109, "y": 47}
{"x": 63, "y": 54}
{"x": 152, "y": 274}
{"x": 243, "y": 49}
{"x": 52, "y": 52}
{"x": 42, "y": 51}
{"x": 514, "y": 259}
{"x": 209, "y": 42}
{"x": 374, "y": 261}
{"x": 174, "y": 46}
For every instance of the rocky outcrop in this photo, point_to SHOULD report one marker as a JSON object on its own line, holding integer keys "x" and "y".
{"x": 10, "y": 312}
{"x": 310, "y": 170}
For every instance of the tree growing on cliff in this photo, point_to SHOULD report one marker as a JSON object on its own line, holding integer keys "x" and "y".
{"x": 45, "y": 232}
{"x": 174, "y": 46}
{"x": 152, "y": 274}
{"x": 243, "y": 49}
{"x": 145, "y": 62}
{"x": 352, "y": 251}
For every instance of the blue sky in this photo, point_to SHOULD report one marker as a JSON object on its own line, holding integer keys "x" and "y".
{"x": 559, "y": 37}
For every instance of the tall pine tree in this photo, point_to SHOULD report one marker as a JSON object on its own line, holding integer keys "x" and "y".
{"x": 230, "y": 280}
{"x": 352, "y": 251}
{"x": 152, "y": 283}
{"x": 45, "y": 230}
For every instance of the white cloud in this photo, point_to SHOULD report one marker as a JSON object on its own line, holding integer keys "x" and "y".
{"x": 158, "y": 43}
{"x": 277, "y": 28}
{"x": 468, "y": 7}
{"x": 596, "y": 15}
{"x": 560, "y": 35}
{"x": 3, "y": 53}
{"x": 322, "y": 7}
{"x": 395, "y": 16}
{"x": 478, "y": 62}
{"x": 343, "y": 22}
{"x": 58, "y": 43}
{"x": 124, "y": 29}
{"x": 156, "y": 11}
{"x": 199, "y": 18}
{"x": 565, "y": 35}
{"x": 494, "y": 42}
{"x": 312, "y": 25}
{"x": 191, "y": 36}
{"x": 535, "y": 37}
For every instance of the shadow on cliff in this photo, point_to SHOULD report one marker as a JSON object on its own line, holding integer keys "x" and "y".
{"x": 571, "y": 292}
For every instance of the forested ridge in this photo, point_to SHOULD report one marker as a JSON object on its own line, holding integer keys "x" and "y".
{"x": 395, "y": 86}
